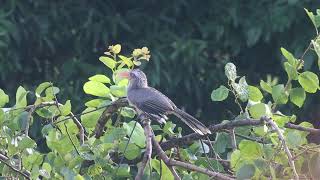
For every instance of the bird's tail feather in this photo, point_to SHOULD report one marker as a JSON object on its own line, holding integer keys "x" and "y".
{"x": 192, "y": 122}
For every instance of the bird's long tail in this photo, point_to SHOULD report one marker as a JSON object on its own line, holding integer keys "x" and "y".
{"x": 192, "y": 122}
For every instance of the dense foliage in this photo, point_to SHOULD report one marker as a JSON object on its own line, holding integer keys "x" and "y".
{"x": 59, "y": 41}
{"x": 260, "y": 143}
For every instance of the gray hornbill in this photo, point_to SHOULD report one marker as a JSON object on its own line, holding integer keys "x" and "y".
{"x": 154, "y": 104}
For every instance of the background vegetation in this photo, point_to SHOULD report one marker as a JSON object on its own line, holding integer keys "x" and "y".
{"x": 190, "y": 42}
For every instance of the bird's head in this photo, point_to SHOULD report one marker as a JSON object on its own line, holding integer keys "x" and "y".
{"x": 137, "y": 78}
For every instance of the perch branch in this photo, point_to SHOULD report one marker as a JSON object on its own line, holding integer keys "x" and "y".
{"x": 284, "y": 145}
{"x": 107, "y": 113}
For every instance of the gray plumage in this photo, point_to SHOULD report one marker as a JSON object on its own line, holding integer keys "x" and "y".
{"x": 156, "y": 105}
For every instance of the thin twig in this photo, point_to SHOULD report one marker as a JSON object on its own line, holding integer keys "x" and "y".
{"x": 233, "y": 139}
{"x": 80, "y": 127}
{"x": 284, "y": 145}
{"x": 4, "y": 159}
{"x": 148, "y": 151}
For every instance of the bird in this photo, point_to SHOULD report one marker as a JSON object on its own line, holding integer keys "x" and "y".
{"x": 148, "y": 101}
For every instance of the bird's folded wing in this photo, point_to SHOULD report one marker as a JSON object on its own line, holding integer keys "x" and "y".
{"x": 150, "y": 101}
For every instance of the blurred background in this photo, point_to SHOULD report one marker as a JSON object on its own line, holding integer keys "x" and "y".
{"x": 190, "y": 42}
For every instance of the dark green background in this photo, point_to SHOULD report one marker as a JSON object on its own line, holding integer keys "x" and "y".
{"x": 190, "y": 41}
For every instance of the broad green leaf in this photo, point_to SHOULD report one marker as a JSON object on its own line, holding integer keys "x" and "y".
{"x": 138, "y": 136}
{"x": 281, "y": 120}
{"x": 128, "y": 112}
{"x": 162, "y": 169}
{"x": 132, "y": 151}
{"x": 1, "y": 116}
{"x": 255, "y": 94}
{"x": 45, "y": 112}
{"x": 222, "y": 140}
{"x": 314, "y": 164}
{"x": 21, "y": 97}
{"x": 89, "y": 120}
{"x": 291, "y": 71}
{"x": 316, "y": 47}
{"x": 66, "y": 108}
{"x": 235, "y": 160}
{"x": 118, "y": 91}
{"x": 312, "y": 18}
{"x": 123, "y": 171}
{"x": 94, "y": 170}
{"x": 297, "y": 96}
{"x": 168, "y": 128}
{"x": 265, "y": 86}
{"x": 4, "y": 98}
{"x": 258, "y": 110}
{"x": 291, "y": 59}
{"x": 26, "y": 142}
{"x": 110, "y": 63}
{"x": 100, "y": 78}
{"x": 246, "y": 171}
{"x": 116, "y": 48}
{"x": 95, "y": 102}
{"x": 230, "y": 71}
{"x": 51, "y": 92}
{"x": 220, "y": 94}
{"x": 260, "y": 130}
{"x": 309, "y": 81}
{"x": 96, "y": 89}
{"x": 126, "y": 60}
{"x": 279, "y": 95}
{"x": 21, "y": 120}
{"x": 293, "y": 139}
{"x": 250, "y": 149}
{"x": 42, "y": 87}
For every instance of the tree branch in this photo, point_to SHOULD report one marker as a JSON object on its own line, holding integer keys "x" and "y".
{"x": 107, "y": 113}
{"x": 5, "y": 160}
{"x": 148, "y": 152}
{"x": 284, "y": 145}
{"x": 172, "y": 162}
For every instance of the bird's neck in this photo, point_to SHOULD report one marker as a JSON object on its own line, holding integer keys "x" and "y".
{"x": 137, "y": 84}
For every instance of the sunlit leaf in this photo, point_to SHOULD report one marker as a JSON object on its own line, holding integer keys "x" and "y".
{"x": 309, "y": 81}
{"x": 96, "y": 89}
{"x": 100, "y": 78}
{"x": 255, "y": 94}
{"x": 220, "y": 94}
{"x": 110, "y": 63}
{"x": 297, "y": 96}
{"x": 138, "y": 136}
{"x": 4, "y": 98}
{"x": 279, "y": 95}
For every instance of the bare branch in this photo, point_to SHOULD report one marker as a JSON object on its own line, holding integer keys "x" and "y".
{"x": 5, "y": 160}
{"x": 284, "y": 145}
{"x": 301, "y": 128}
{"x": 148, "y": 152}
{"x": 172, "y": 162}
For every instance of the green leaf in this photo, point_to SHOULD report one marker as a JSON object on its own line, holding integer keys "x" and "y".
{"x": 118, "y": 91}
{"x": 235, "y": 160}
{"x": 316, "y": 47}
{"x": 116, "y": 48}
{"x": 126, "y": 60}
{"x": 230, "y": 71}
{"x": 94, "y": 170}
{"x": 222, "y": 140}
{"x": 255, "y": 94}
{"x": 110, "y": 63}
{"x": 312, "y": 18}
{"x": 291, "y": 59}
{"x": 66, "y": 108}
{"x": 163, "y": 170}
{"x": 21, "y": 97}
{"x": 26, "y": 142}
{"x": 297, "y": 96}
{"x": 96, "y": 89}
{"x": 265, "y": 86}
{"x": 138, "y": 136}
{"x": 293, "y": 139}
{"x": 309, "y": 81}
{"x": 4, "y": 98}
{"x": 42, "y": 87}
{"x": 242, "y": 89}
{"x": 100, "y": 78}
{"x": 220, "y": 94}
{"x": 132, "y": 151}
{"x": 258, "y": 110}
{"x": 95, "y": 102}
{"x": 1, "y": 116}
{"x": 246, "y": 171}
{"x": 128, "y": 112}
{"x": 291, "y": 71}
{"x": 314, "y": 164}
{"x": 123, "y": 171}
{"x": 89, "y": 120}
{"x": 279, "y": 95}
{"x": 51, "y": 92}
{"x": 250, "y": 149}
